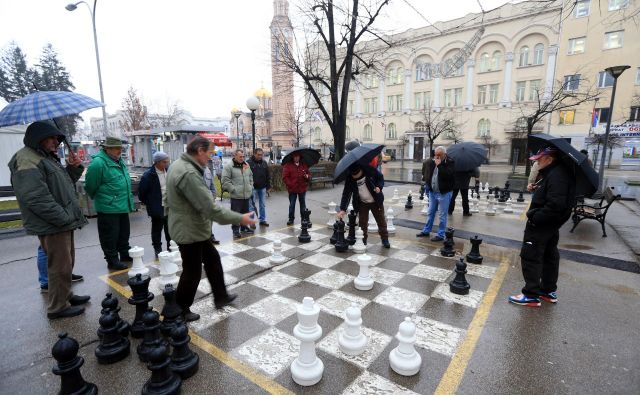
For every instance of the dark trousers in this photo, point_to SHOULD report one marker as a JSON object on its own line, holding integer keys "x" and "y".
{"x": 465, "y": 200}
{"x": 61, "y": 254}
{"x": 194, "y": 256}
{"x": 292, "y": 204}
{"x": 113, "y": 232}
{"x": 157, "y": 224}
{"x": 540, "y": 260}
{"x": 239, "y": 206}
{"x": 378, "y": 215}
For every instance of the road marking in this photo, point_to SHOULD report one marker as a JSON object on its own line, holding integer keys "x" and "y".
{"x": 455, "y": 372}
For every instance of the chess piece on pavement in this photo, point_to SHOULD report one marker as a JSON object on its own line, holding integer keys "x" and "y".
{"x": 137, "y": 267}
{"x": 359, "y": 247}
{"x": 163, "y": 380}
{"x": 171, "y": 311}
{"x": 351, "y": 238}
{"x": 364, "y": 281}
{"x": 459, "y": 284}
{"x": 509, "y": 206}
{"x": 372, "y": 226}
{"x": 447, "y": 249}
{"x": 391, "y": 228}
{"x": 140, "y": 298}
{"x": 491, "y": 210}
{"x": 304, "y": 236}
{"x": 404, "y": 359}
{"x": 341, "y": 244}
{"x": 307, "y": 368}
{"x": 520, "y": 197}
{"x": 332, "y": 214}
{"x": 184, "y": 361}
{"x": 409, "y": 204}
{"x": 113, "y": 346}
{"x": 175, "y": 250}
{"x": 277, "y": 257}
{"x": 152, "y": 336}
{"x": 351, "y": 339}
{"x": 334, "y": 235}
{"x": 395, "y": 197}
{"x": 109, "y": 303}
{"x": 168, "y": 270}
{"x": 65, "y": 352}
{"x": 474, "y": 255}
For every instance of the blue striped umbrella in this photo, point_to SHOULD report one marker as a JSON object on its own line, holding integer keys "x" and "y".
{"x": 40, "y": 106}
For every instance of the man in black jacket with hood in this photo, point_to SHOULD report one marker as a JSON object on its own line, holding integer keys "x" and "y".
{"x": 551, "y": 203}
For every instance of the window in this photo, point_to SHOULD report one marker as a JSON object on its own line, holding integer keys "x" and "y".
{"x": 394, "y": 103}
{"x": 417, "y": 100}
{"x": 613, "y": 39}
{"x": 419, "y": 127}
{"x": 534, "y": 90}
{"x": 453, "y": 97}
{"x": 520, "y": 88}
{"x": 448, "y": 97}
{"x": 347, "y": 133}
{"x": 635, "y": 114}
{"x": 493, "y": 93}
{"x": 524, "y": 56}
{"x": 484, "y": 127}
{"x": 538, "y": 54}
{"x": 484, "y": 62}
{"x": 571, "y": 82}
{"x": 317, "y": 134}
{"x": 399, "y": 75}
{"x": 367, "y": 80}
{"x": 566, "y": 117}
{"x": 391, "y": 132}
{"x": 392, "y": 76}
{"x": 427, "y": 99}
{"x": 374, "y": 105}
{"x": 496, "y": 60}
{"x": 367, "y": 106}
{"x": 375, "y": 81}
{"x": 457, "y": 98}
{"x": 482, "y": 94}
{"x": 582, "y": 8}
{"x": 423, "y": 72}
{"x": 367, "y": 133}
{"x": 615, "y": 5}
{"x": 605, "y": 80}
{"x": 451, "y": 70}
{"x": 576, "y": 45}
{"x": 602, "y": 114}
{"x": 638, "y": 76}
{"x": 350, "y": 107}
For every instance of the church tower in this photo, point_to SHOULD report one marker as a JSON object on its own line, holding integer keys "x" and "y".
{"x": 281, "y": 75}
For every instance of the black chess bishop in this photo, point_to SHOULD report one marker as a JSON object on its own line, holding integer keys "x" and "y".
{"x": 65, "y": 352}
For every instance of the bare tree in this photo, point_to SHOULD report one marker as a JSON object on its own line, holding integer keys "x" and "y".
{"x": 490, "y": 144}
{"x": 598, "y": 139}
{"x": 435, "y": 124}
{"x": 171, "y": 115}
{"x": 294, "y": 120}
{"x": 134, "y": 112}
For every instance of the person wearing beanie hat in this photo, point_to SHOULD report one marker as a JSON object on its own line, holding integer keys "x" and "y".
{"x": 151, "y": 191}
{"x": 45, "y": 191}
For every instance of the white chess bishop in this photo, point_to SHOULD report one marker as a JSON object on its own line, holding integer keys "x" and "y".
{"x": 404, "y": 359}
{"x": 168, "y": 270}
{"x": 137, "y": 267}
{"x": 307, "y": 368}
{"x": 359, "y": 247}
{"x": 364, "y": 281}
{"x": 277, "y": 257}
{"x": 351, "y": 339}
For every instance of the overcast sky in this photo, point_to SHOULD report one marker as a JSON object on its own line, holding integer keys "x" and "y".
{"x": 208, "y": 55}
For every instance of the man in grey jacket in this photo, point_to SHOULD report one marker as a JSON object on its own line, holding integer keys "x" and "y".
{"x": 237, "y": 179}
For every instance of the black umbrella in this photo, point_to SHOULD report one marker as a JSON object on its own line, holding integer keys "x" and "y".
{"x": 307, "y": 155}
{"x": 577, "y": 163}
{"x": 361, "y": 155}
{"x": 467, "y": 155}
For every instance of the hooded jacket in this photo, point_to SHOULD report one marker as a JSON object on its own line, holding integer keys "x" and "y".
{"x": 293, "y": 177}
{"x": 554, "y": 198}
{"x": 373, "y": 179}
{"x": 237, "y": 181}
{"x": 108, "y": 183}
{"x": 45, "y": 190}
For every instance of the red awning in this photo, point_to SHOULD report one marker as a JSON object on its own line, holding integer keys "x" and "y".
{"x": 218, "y": 139}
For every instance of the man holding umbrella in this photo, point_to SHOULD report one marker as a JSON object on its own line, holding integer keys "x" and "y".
{"x": 468, "y": 156}
{"x": 296, "y": 176}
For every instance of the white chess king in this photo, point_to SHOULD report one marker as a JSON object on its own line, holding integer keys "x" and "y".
{"x": 307, "y": 368}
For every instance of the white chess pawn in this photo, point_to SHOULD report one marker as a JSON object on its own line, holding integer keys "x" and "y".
{"x": 351, "y": 339}
{"x": 404, "y": 359}
{"x": 391, "y": 228}
{"x": 359, "y": 247}
{"x": 491, "y": 211}
{"x": 425, "y": 209}
{"x": 177, "y": 258}
{"x": 372, "y": 226}
{"x": 277, "y": 256}
{"x": 474, "y": 205}
{"x": 332, "y": 214}
{"x": 364, "y": 281}
{"x": 508, "y": 208}
{"x": 168, "y": 270}
{"x": 307, "y": 368}
{"x": 137, "y": 267}
{"x": 395, "y": 197}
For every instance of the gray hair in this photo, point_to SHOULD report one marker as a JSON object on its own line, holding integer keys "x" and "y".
{"x": 197, "y": 143}
{"x": 440, "y": 148}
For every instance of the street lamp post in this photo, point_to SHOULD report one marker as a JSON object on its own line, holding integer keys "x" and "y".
{"x": 237, "y": 115}
{"x": 615, "y": 72}
{"x": 253, "y": 104}
{"x": 92, "y": 11}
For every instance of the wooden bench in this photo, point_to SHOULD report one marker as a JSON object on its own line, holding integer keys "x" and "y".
{"x": 319, "y": 176}
{"x": 596, "y": 212}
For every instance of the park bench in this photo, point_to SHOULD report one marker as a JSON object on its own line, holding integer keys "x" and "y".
{"x": 596, "y": 212}
{"x": 319, "y": 176}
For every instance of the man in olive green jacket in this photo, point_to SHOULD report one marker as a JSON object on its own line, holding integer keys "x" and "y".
{"x": 191, "y": 208}
{"x": 107, "y": 182}
{"x": 49, "y": 207}
{"x": 237, "y": 179}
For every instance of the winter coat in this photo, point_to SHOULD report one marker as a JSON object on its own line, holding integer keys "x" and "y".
{"x": 554, "y": 198}
{"x": 45, "y": 190}
{"x": 446, "y": 174}
{"x": 261, "y": 175}
{"x": 462, "y": 179}
{"x": 107, "y": 182}
{"x": 293, "y": 177}
{"x": 237, "y": 181}
{"x": 190, "y": 206}
{"x": 209, "y": 181}
{"x": 150, "y": 192}
{"x": 373, "y": 178}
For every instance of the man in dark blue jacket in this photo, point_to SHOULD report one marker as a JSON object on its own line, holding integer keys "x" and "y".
{"x": 365, "y": 185}
{"x": 151, "y": 192}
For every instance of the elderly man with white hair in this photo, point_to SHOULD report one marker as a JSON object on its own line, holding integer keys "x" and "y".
{"x": 438, "y": 174}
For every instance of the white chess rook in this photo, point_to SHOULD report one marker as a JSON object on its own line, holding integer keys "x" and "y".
{"x": 404, "y": 359}
{"x": 177, "y": 258}
{"x": 307, "y": 368}
{"x": 277, "y": 257}
{"x": 359, "y": 247}
{"x": 364, "y": 281}
{"x": 372, "y": 226}
{"x": 138, "y": 266}
{"x": 332, "y": 214}
{"x": 391, "y": 228}
{"x": 168, "y": 270}
{"x": 351, "y": 339}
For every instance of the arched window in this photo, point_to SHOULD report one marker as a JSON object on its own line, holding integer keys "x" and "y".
{"x": 391, "y": 132}
{"x": 367, "y": 135}
{"x": 419, "y": 127}
{"x": 496, "y": 60}
{"x": 391, "y": 76}
{"x": 347, "y": 133}
{"x": 538, "y": 54}
{"x": 484, "y": 127}
{"x": 524, "y": 56}
{"x": 423, "y": 72}
{"x": 450, "y": 69}
{"x": 484, "y": 62}
{"x": 399, "y": 75}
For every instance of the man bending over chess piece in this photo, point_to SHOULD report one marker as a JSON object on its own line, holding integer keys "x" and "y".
{"x": 365, "y": 184}
{"x": 191, "y": 209}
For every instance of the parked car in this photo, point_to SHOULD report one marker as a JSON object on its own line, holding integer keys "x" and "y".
{"x": 386, "y": 157}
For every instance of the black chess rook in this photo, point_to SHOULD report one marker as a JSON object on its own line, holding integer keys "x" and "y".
{"x": 152, "y": 336}
{"x": 183, "y": 361}
{"x": 65, "y": 352}
{"x": 109, "y": 303}
{"x": 171, "y": 312}
{"x": 474, "y": 255}
{"x": 140, "y": 298}
{"x": 163, "y": 380}
{"x": 447, "y": 249}
{"x": 459, "y": 284}
{"x": 113, "y": 346}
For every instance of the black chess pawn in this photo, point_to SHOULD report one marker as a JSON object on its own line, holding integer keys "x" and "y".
{"x": 503, "y": 196}
{"x": 409, "y": 203}
{"x": 459, "y": 284}
{"x": 422, "y": 188}
{"x": 520, "y": 197}
{"x": 183, "y": 361}
{"x": 474, "y": 255}
{"x": 496, "y": 193}
{"x": 304, "y": 233}
{"x": 65, "y": 352}
{"x": 351, "y": 238}
{"x": 163, "y": 380}
{"x": 507, "y": 185}
{"x": 171, "y": 312}
{"x": 140, "y": 298}
{"x": 334, "y": 236}
{"x": 152, "y": 337}
{"x": 113, "y": 346}
{"x": 110, "y": 303}
{"x": 447, "y": 249}
{"x": 341, "y": 244}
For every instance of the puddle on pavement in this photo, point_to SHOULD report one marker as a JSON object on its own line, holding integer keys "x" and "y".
{"x": 578, "y": 247}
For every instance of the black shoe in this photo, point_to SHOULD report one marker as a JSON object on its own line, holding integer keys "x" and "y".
{"x": 290, "y": 222}
{"x": 467, "y": 214}
{"x": 264, "y": 223}
{"x": 126, "y": 258}
{"x": 190, "y": 316}
{"x": 437, "y": 238}
{"x": 70, "y": 311}
{"x": 77, "y": 300}
{"x": 247, "y": 230}
{"x": 44, "y": 289}
{"x": 225, "y": 301}
{"x": 156, "y": 253}
{"x": 385, "y": 243}
{"x": 252, "y": 226}
{"x": 76, "y": 277}
{"x": 237, "y": 235}
{"x": 214, "y": 240}
{"x": 116, "y": 265}
{"x": 421, "y": 234}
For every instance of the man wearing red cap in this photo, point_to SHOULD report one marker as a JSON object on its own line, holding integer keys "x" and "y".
{"x": 551, "y": 203}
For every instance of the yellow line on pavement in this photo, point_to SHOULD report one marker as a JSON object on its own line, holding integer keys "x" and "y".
{"x": 523, "y": 216}
{"x": 458, "y": 365}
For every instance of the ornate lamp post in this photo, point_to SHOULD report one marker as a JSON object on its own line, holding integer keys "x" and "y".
{"x": 253, "y": 104}
{"x": 237, "y": 115}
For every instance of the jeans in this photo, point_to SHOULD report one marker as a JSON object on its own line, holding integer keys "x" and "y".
{"x": 540, "y": 260}
{"x": 157, "y": 223}
{"x": 194, "y": 257}
{"x": 292, "y": 204}
{"x": 441, "y": 200}
{"x": 43, "y": 276}
{"x": 239, "y": 206}
{"x": 260, "y": 196}
{"x": 113, "y": 232}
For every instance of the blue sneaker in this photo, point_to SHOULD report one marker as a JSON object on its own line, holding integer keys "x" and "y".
{"x": 524, "y": 300}
{"x": 550, "y": 297}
